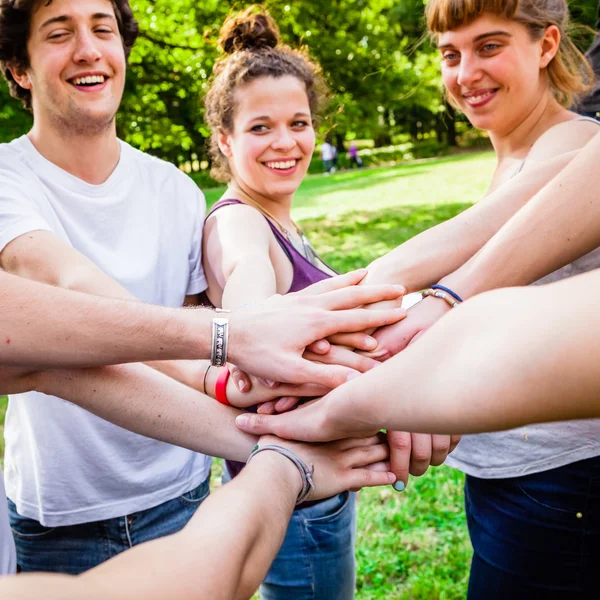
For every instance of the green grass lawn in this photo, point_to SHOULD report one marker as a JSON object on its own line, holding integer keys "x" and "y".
{"x": 412, "y": 545}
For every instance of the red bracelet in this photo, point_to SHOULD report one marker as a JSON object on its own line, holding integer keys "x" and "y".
{"x": 221, "y": 386}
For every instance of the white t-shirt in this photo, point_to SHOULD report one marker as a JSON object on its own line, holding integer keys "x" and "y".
{"x": 143, "y": 228}
{"x": 327, "y": 151}
{"x": 8, "y": 555}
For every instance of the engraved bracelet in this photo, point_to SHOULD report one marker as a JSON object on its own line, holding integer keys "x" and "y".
{"x": 220, "y": 338}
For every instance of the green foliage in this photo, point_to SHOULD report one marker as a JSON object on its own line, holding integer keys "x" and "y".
{"x": 383, "y": 72}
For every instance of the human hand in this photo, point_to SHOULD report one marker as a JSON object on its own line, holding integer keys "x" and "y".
{"x": 353, "y": 341}
{"x": 414, "y": 453}
{"x": 269, "y": 340}
{"x": 410, "y": 453}
{"x": 244, "y": 390}
{"x": 259, "y": 393}
{"x": 395, "y": 338}
{"x": 348, "y": 464}
{"x": 321, "y": 420}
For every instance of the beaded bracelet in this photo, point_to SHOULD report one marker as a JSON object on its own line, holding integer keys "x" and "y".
{"x": 442, "y": 295}
{"x": 437, "y": 286}
{"x": 306, "y": 474}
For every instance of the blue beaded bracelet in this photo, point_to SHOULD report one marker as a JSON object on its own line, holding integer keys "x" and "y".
{"x": 448, "y": 291}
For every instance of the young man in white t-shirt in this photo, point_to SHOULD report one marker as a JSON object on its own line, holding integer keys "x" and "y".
{"x": 82, "y": 210}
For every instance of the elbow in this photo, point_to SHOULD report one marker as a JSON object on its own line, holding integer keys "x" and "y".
{"x": 18, "y": 381}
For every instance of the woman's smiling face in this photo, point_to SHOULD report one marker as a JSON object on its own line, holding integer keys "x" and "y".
{"x": 272, "y": 142}
{"x": 493, "y": 70}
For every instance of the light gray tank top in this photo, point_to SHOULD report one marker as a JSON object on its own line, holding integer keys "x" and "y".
{"x": 534, "y": 448}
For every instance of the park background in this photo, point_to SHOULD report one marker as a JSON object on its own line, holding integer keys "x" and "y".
{"x": 424, "y": 165}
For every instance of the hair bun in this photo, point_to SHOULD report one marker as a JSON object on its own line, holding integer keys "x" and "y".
{"x": 251, "y": 29}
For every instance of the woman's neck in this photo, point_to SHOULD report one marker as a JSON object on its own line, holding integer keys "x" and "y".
{"x": 281, "y": 209}
{"x": 516, "y": 141}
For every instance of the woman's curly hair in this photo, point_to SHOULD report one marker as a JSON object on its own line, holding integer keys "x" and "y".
{"x": 252, "y": 47}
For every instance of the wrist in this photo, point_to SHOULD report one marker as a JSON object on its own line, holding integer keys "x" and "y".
{"x": 281, "y": 469}
{"x": 237, "y": 336}
{"x": 197, "y": 331}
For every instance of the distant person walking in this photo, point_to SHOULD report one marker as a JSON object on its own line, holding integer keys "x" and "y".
{"x": 328, "y": 156}
{"x": 590, "y": 104}
{"x": 353, "y": 156}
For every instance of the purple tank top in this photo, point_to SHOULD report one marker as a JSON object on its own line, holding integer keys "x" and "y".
{"x": 305, "y": 274}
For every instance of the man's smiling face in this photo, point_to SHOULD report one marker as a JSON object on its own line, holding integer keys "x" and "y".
{"x": 77, "y": 64}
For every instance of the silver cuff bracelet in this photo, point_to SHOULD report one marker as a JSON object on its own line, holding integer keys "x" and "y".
{"x": 220, "y": 338}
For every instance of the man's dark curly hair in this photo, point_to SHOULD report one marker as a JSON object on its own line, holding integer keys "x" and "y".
{"x": 15, "y": 18}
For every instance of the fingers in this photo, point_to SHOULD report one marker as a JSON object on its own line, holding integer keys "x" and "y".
{"x": 366, "y": 455}
{"x": 268, "y": 383}
{"x": 383, "y": 466}
{"x": 391, "y": 340}
{"x": 421, "y": 453}
{"x": 400, "y": 449}
{"x": 359, "y": 341}
{"x": 240, "y": 379}
{"x": 334, "y": 283}
{"x": 307, "y": 390}
{"x": 454, "y": 439}
{"x": 319, "y": 347}
{"x": 354, "y": 442}
{"x": 287, "y": 426}
{"x": 329, "y": 376}
{"x": 342, "y": 356}
{"x": 360, "y": 478}
{"x": 353, "y": 297}
{"x": 440, "y": 448}
{"x": 286, "y": 403}
{"x": 266, "y": 408}
{"x": 360, "y": 319}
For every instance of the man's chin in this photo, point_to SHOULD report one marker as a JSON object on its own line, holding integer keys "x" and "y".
{"x": 86, "y": 122}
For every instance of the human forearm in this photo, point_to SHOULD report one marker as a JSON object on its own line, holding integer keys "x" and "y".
{"x": 503, "y": 359}
{"x": 207, "y": 559}
{"x": 145, "y": 401}
{"x": 433, "y": 254}
{"x": 560, "y": 224}
{"x": 85, "y": 330}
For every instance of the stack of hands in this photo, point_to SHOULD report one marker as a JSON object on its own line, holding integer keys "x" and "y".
{"x": 311, "y": 363}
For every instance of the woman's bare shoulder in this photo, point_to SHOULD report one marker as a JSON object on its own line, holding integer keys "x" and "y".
{"x": 563, "y": 138}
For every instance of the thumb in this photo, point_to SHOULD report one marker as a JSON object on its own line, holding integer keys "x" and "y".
{"x": 330, "y": 376}
{"x": 256, "y": 424}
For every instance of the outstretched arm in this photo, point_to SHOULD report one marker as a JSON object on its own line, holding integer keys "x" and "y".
{"x": 43, "y": 326}
{"x": 433, "y": 254}
{"x": 226, "y": 549}
{"x": 560, "y": 224}
{"x": 506, "y": 358}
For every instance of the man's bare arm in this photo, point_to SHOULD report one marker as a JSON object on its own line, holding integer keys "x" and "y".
{"x": 48, "y": 326}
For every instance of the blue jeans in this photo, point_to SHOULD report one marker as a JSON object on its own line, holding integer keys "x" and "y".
{"x": 316, "y": 560}
{"x": 536, "y": 537}
{"x": 74, "y": 549}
